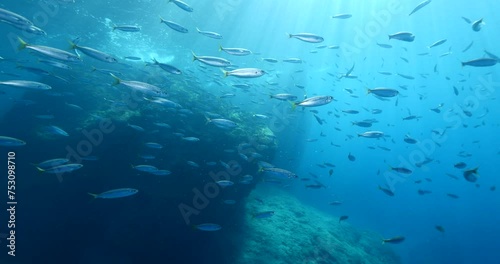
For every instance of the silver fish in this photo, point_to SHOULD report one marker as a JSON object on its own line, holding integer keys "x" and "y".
{"x": 307, "y": 37}
{"x": 245, "y": 73}
{"x": 420, "y": 6}
{"x": 209, "y": 34}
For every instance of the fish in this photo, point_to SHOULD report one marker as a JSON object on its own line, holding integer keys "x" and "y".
{"x": 385, "y": 46}
{"x": 161, "y": 172}
{"x": 182, "y": 5}
{"x": 440, "y": 228}
{"x": 245, "y": 73}
{"x": 14, "y": 18}
{"x": 145, "y": 168}
{"x": 61, "y": 168}
{"x": 468, "y": 46}
{"x": 371, "y": 134}
{"x": 350, "y": 111}
{"x": 401, "y": 170}
{"x": 235, "y": 51}
{"x": 51, "y": 163}
{"x": 166, "y": 67}
{"x": 403, "y": 36}
{"x": 55, "y": 130}
{"x": 50, "y": 52}
{"x": 314, "y": 101}
{"x": 460, "y": 165}
{"x": 134, "y": 58}
{"x": 351, "y": 157}
{"x": 222, "y": 123}
{"x": 209, "y": 34}
{"x": 342, "y": 218}
{"x": 471, "y": 174}
{"x": 410, "y": 140}
{"x": 136, "y": 127}
{"x": 174, "y": 26}
{"x": 208, "y": 227}
{"x": 383, "y": 92}
{"x": 146, "y": 88}
{"x": 362, "y": 123}
{"x": 393, "y": 240}
{"x": 320, "y": 121}
{"x": 454, "y": 196}
{"x": 477, "y": 25}
{"x": 191, "y": 139}
{"x": 386, "y": 191}
{"x": 292, "y": 60}
{"x": 56, "y": 64}
{"x": 330, "y": 172}
{"x": 420, "y": 6}
{"x": 279, "y": 173}
{"x": 265, "y": 214}
{"x": 96, "y": 54}
{"x": 153, "y": 145}
{"x": 284, "y": 97}
{"x": 271, "y": 60}
{"x": 335, "y": 203}
{"x": 481, "y": 62}
{"x": 11, "y": 142}
{"x": 127, "y": 28}
{"x": 116, "y": 193}
{"x": 212, "y": 61}
{"x": 409, "y": 77}
{"x": 26, "y": 85}
{"x": 342, "y": 16}
{"x": 437, "y": 43}
{"x": 224, "y": 183}
{"x": 307, "y": 37}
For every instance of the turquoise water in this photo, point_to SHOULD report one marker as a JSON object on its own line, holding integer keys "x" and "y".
{"x": 156, "y": 224}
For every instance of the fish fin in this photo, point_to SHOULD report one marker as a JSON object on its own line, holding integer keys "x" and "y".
{"x": 93, "y": 195}
{"x": 368, "y": 91}
{"x": 294, "y": 105}
{"x": 194, "y": 56}
{"x": 40, "y": 169}
{"x": 72, "y": 45}
{"x": 161, "y": 20}
{"x": 197, "y": 29}
{"x": 389, "y": 37}
{"x": 220, "y": 48}
{"x": 117, "y": 80}
{"x": 22, "y": 43}
{"x": 289, "y": 35}
{"x": 93, "y": 69}
{"x": 114, "y": 27}
{"x": 226, "y": 73}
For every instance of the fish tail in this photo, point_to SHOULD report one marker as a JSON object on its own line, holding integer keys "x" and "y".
{"x": 39, "y": 169}
{"x": 368, "y": 91}
{"x": 117, "y": 80}
{"x": 72, "y": 45}
{"x": 114, "y": 27}
{"x": 93, "y": 69}
{"x": 463, "y": 64}
{"x": 197, "y": 29}
{"x": 208, "y": 120}
{"x": 226, "y": 73}
{"x": 194, "y": 56}
{"x": 389, "y": 37}
{"x": 293, "y": 104}
{"x": 22, "y": 43}
{"x": 289, "y": 35}
{"x": 93, "y": 195}
{"x": 220, "y": 48}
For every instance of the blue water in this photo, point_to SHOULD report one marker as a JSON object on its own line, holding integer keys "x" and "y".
{"x": 58, "y": 222}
